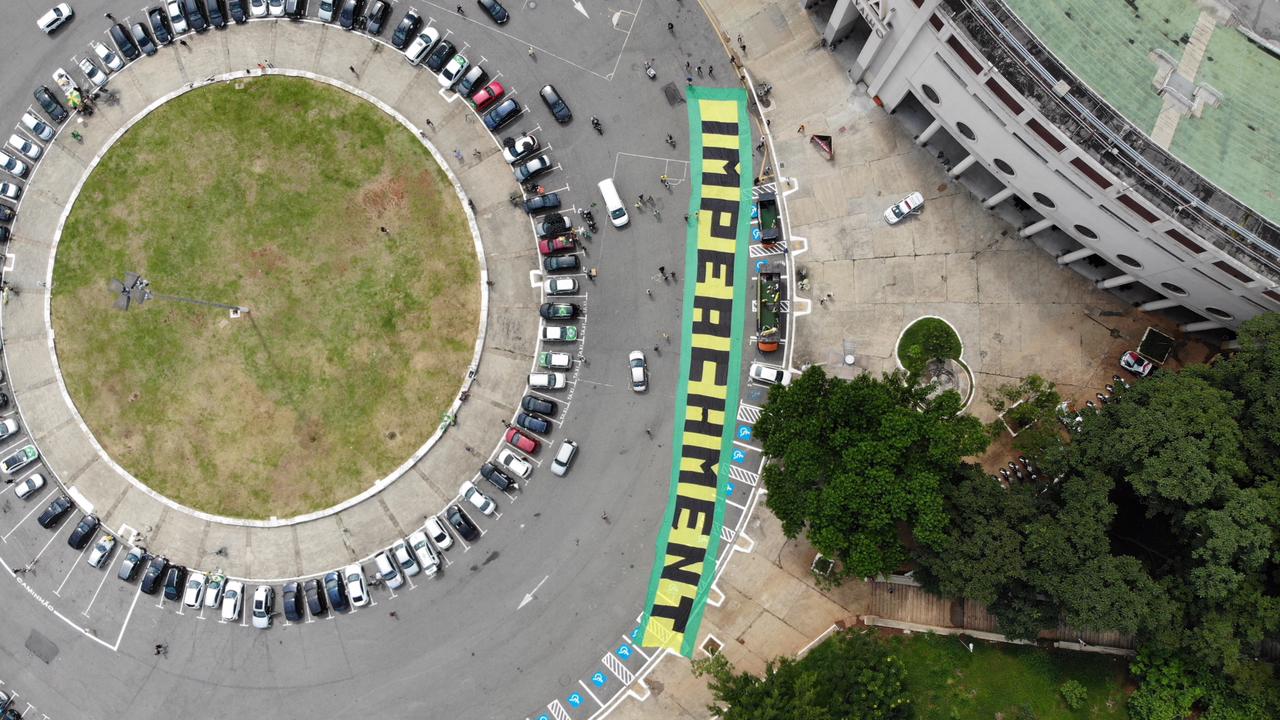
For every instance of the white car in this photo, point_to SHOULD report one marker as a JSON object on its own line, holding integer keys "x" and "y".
{"x": 176, "y": 18}
{"x": 8, "y": 426}
{"x": 232, "y": 599}
{"x": 213, "y": 591}
{"x": 36, "y": 126}
{"x": 428, "y": 559}
{"x": 101, "y": 550}
{"x": 560, "y": 286}
{"x": 908, "y": 205}
{"x": 516, "y": 464}
{"x": 195, "y": 590}
{"x": 9, "y": 190}
{"x": 387, "y": 571}
{"x": 421, "y": 45}
{"x": 354, "y": 577}
{"x": 564, "y": 457}
{"x": 258, "y": 8}
{"x": 403, "y": 557}
{"x": 437, "y": 532}
{"x": 54, "y": 19}
{"x": 24, "y": 489}
{"x": 264, "y": 601}
{"x": 555, "y": 360}
{"x": 559, "y": 333}
{"x": 107, "y": 56}
{"x": 275, "y": 8}
{"x": 768, "y": 374}
{"x": 25, "y": 146}
{"x": 451, "y": 73}
{"x": 92, "y": 73}
{"x": 546, "y": 381}
{"x": 473, "y": 495}
{"x": 639, "y": 371}
{"x": 516, "y": 149}
{"x": 326, "y": 10}
{"x": 12, "y": 165}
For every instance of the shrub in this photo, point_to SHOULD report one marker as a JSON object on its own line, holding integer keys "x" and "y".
{"x": 1073, "y": 694}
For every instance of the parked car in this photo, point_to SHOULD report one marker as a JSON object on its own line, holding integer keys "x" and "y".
{"x": 497, "y": 478}
{"x": 515, "y": 464}
{"x": 555, "y": 360}
{"x": 768, "y": 374}
{"x": 502, "y": 115}
{"x": 474, "y": 78}
{"x": 554, "y": 225}
{"x": 336, "y": 591}
{"x": 1136, "y": 364}
{"x": 130, "y": 563}
{"x": 536, "y": 167}
{"x": 451, "y": 73}
{"x": 550, "y": 246}
{"x": 909, "y": 205}
{"x": 101, "y": 550}
{"x": 216, "y": 17}
{"x": 356, "y": 591}
{"x": 6, "y": 213}
{"x": 560, "y": 286}
{"x": 555, "y": 104}
{"x": 177, "y": 20}
{"x": 235, "y": 8}
{"x": 314, "y": 591}
{"x": 291, "y": 600}
{"x": 639, "y": 371}
{"x": 488, "y": 95}
{"x": 348, "y": 14}
{"x": 213, "y": 590}
{"x": 92, "y": 73}
{"x": 436, "y": 531}
{"x": 174, "y": 579}
{"x": 9, "y": 190}
{"x": 143, "y": 38}
{"x": 195, "y": 16}
{"x": 258, "y": 8}
{"x": 275, "y": 8}
{"x": 564, "y": 458}
{"x": 494, "y": 10}
{"x": 515, "y": 438}
{"x": 325, "y": 13}
{"x": 232, "y": 601}
{"x": 542, "y": 203}
{"x": 440, "y": 54}
{"x": 264, "y": 601}
{"x": 515, "y": 149}
{"x": 193, "y": 596}
{"x": 461, "y": 523}
{"x": 421, "y": 45}
{"x": 24, "y": 456}
{"x": 406, "y": 30}
{"x": 560, "y": 263}
{"x": 425, "y": 554}
{"x": 387, "y": 571}
{"x": 535, "y": 404}
{"x": 37, "y": 127}
{"x": 49, "y": 103}
{"x": 56, "y": 510}
{"x": 31, "y": 150}
{"x": 8, "y": 426}
{"x": 558, "y": 311}
{"x": 83, "y": 533}
{"x": 403, "y": 557}
{"x": 56, "y": 17}
{"x": 472, "y": 494}
{"x": 27, "y": 487}
{"x": 546, "y": 381}
{"x": 155, "y": 571}
{"x": 376, "y": 18}
{"x": 533, "y": 423}
{"x": 295, "y": 9}
{"x": 107, "y": 56}
{"x": 120, "y": 36}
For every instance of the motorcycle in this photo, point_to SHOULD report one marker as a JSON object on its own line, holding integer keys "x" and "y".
{"x": 595, "y": 123}
{"x": 590, "y": 220}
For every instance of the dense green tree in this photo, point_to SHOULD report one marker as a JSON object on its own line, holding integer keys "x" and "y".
{"x": 854, "y": 461}
{"x": 1251, "y": 375}
{"x": 849, "y": 675}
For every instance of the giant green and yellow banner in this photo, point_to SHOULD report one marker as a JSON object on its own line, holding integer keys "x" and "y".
{"x": 711, "y": 357}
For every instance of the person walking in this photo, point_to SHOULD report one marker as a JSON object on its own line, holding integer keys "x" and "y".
{"x": 688, "y": 66}
{"x": 711, "y": 71}
{"x": 460, "y": 11}
{"x": 431, "y": 124}
{"x": 699, "y": 71}
{"x": 665, "y": 183}
{"x": 352, "y": 68}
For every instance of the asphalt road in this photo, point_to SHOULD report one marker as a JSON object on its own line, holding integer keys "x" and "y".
{"x": 457, "y": 646}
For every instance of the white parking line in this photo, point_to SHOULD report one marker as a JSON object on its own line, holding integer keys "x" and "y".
{"x": 74, "y": 565}
{"x": 105, "y": 572}
{"x": 36, "y": 505}
{"x": 52, "y": 536}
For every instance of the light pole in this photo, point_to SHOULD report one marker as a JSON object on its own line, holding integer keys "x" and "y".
{"x": 136, "y": 290}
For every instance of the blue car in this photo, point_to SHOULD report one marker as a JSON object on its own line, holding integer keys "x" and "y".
{"x": 502, "y": 115}
{"x": 337, "y": 592}
{"x": 494, "y": 10}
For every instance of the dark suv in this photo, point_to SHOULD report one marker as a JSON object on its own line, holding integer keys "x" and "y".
{"x": 83, "y": 532}
{"x": 45, "y": 97}
{"x": 195, "y": 16}
{"x": 53, "y": 514}
{"x": 533, "y": 403}
{"x": 314, "y": 591}
{"x": 461, "y": 523}
{"x": 555, "y": 104}
{"x": 216, "y": 17}
{"x": 442, "y": 54}
{"x": 160, "y": 26}
{"x": 407, "y": 30}
{"x": 533, "y": 423}
{"x": 292, "y": 597}
{"x": 337, "y": 592}
{"x": 120, "y": 36}
{"x": 155, "y": 571}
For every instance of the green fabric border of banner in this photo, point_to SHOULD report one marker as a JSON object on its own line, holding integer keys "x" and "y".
{"x": 741, "y": 281}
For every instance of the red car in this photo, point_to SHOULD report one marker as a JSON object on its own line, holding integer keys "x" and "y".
{"x": 521, "y": 441}
{"x": 551, "y": 246}
{"x": 489, "y": 95}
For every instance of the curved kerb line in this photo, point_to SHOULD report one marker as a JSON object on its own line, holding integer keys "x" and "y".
{"x": 380, "y": 485}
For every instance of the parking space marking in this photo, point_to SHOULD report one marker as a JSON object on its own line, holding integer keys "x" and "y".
{"x": 25, "y": 439}
{"x": 36, "y": 505}
{"x": 92, "y": 600}
{"x": 593, "y": 695}
{"x": 74, "y": 565}
{"x": 52, "y": 537}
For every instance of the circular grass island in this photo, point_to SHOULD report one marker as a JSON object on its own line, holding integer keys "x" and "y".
{"x": 337, "y": 229}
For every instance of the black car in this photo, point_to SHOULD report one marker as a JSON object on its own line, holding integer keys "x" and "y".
{"x": 555, "y": 104}
{"x": 143, "y": 38}
{"x": 173, "y": 581}
{"x": 155, "y": 571}
{"x": 551, "y": 227}
{"x": 349, "y": 14}
{"x": 559, "y": 263}
{"x": 376, "y": 18}
{"x": 50, "y": 104}
{"x": 558, "y": 311}
{"x": 501, "y": 116}
{"x": 83, "y": 532}
{"x": 195, "y": 16}
{"x": 235, "y": 8}
{"x": 4, "y": 237}
{"x": 533, "y": 423}
{"x": 461, "y": 523}
{"x": 314, "y": 592}
{"x": 295, "y": 9}
{"x": 160, "y": 26}
{"x": 539, "y": 203}
{"x": 500, "y": 480}
{"x": 6, "y": 213}
{"x": 292, "y": 600}
{"x": 337, "y": 592}
{"x": 53, "y": 514}
{"x": 407, "y": 30}
{"x": 441, "y": 54}
{"x": 133, "y": 560}
{"x": 495, "y": 11}
{"x": 533, "y": 403}
{"x": 120, "y": 36}
{"x": 216, "y": 16}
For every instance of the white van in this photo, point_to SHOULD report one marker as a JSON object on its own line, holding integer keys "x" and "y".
{"x": 421, "y": 45}
{"x": 613, "y": 203}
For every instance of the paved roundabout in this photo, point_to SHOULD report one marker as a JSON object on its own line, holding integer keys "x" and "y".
{"x": 559, "y": 575}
